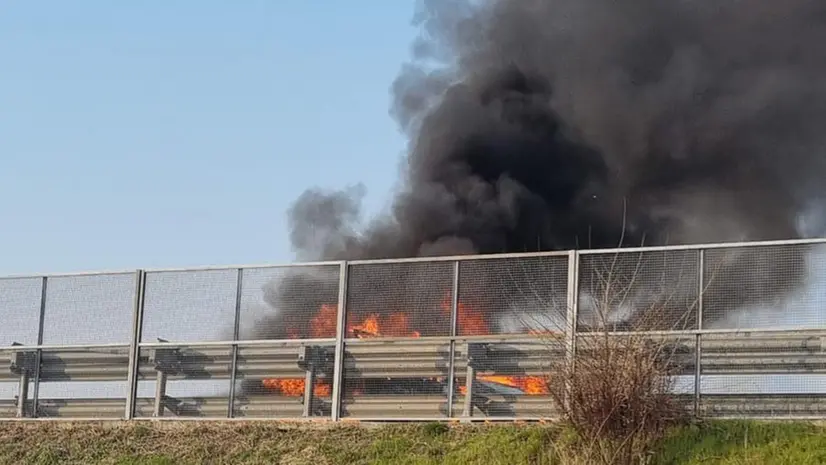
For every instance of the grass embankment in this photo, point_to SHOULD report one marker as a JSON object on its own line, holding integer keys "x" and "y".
{"x": 729, "y": 443}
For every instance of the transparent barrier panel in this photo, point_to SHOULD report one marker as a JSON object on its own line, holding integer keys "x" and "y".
{"x": 83, "y": 383}
{"x": 507, "y": 380}
{"x": 404, "y": 379}
{"x": 284, "y": 381}
{"x": 184, "y": 381}
{"x": 763, "y": 375}
{"x": 16, "y": 378}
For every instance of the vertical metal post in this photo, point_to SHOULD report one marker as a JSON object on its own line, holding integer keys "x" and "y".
{"x": 39, "y": 354}
{"x": 134, "y": 345}
{"x": 470, "y": 381}
{"x": 454, "y": 322}
{"x": 23, "y": 393}
{"x": 160, "y": 394}
{"x": 21, "y": 365}
{"x": 571, "y": 319}
{"x": 698, "y": 352}
{"x": 309, "y": 398}
{"x": 236, "y": 334}
{"x": 338, "y": 360}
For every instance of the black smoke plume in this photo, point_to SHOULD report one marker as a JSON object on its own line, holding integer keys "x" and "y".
{"x": 538, "y": 125}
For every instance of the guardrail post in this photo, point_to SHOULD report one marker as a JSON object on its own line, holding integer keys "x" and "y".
{"x": 134, "y": 345}
{"x": 236, "y": 334}
{"x": 21, "y": 365}
{"x": 160, "y": 394}
{"x": 698, "y": 351}
{"x": 166, "y": 361}
{"x": 571, "y": 319}
{"x": 470, "y": 382}
{"x": 454, "y": 323}
{"x": 338, "y": 369}
{"x": 478, "y": 358}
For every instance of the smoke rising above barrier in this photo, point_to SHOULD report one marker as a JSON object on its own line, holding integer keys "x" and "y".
{"x": 558, "y": 124}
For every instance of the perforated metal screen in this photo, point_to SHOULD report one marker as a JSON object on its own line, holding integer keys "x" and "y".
{"x": 407, "y": 299}
{"x": 512, "y": 295}
{"x": 639, "y": 290}
{"x": 189, "y": 306}
{"x": 289, "y": 302}
{"x": 765, "y": 287}
{"x": 79, "y": 307}
{"x": 20, "y": 310}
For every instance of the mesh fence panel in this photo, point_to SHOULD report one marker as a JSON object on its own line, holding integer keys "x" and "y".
{"x": 184, "y": 381}
{"x": 398, "y": 380}
{"x": 512, "y": 295}
{"x": 272, "y": 381}
{"x": 639, "y": 290}
{"x": 291, "y": 302}
{"x": 505, "y": 379}
{"x": 19, "y": 310}
{"x": 12, "y": 381}
{"x": 399, "y": 299}
{"x": 763, "y": 374}
{"x": 765, "y": 287}
{"x": 83, "y": 383}
{"x": 93, "y": 309}
{"x": 190, "y": 305}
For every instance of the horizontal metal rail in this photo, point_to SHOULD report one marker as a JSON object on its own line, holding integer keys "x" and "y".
{"x": 710, "y": 246}
{"x": 503, "y": 338}
{"x": 250, "y": 343}
{"x": 407, "y": 408}
{"x": 63, "y": 347}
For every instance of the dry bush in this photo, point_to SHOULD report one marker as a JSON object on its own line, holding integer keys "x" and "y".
{"x": 616, "y": 387}
{"x": 618, "y": 395}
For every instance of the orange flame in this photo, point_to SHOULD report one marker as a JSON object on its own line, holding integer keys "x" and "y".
{"x": 294, "y": 387}
{"x": 470, "y": 322}
{"x": 323, "y": 324}
{"x": 395, "y": 325}
{"x": 530, "y": 385}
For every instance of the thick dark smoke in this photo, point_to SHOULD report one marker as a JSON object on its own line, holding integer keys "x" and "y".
{"x": 558, "y": 124}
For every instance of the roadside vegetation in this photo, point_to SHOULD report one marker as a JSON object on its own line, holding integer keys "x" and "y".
{"x": 163, "y": 443}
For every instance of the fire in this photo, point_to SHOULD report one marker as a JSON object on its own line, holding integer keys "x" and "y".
{"x": 294, "y": 387}
{"x": 530, "y": 385}
{"x": 394, "y": 325}
{"x": 470, "y": 322}
{"x": 323, "y": 324}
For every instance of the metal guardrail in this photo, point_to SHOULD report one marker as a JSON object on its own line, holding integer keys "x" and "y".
{"x": 408, "y": 362}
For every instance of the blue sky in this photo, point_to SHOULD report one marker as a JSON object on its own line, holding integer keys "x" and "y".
{"x": 158, "y": 134}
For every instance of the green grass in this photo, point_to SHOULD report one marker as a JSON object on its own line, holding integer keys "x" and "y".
{"x": 724, "y": 443}
{"x": 745, "y": 443}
